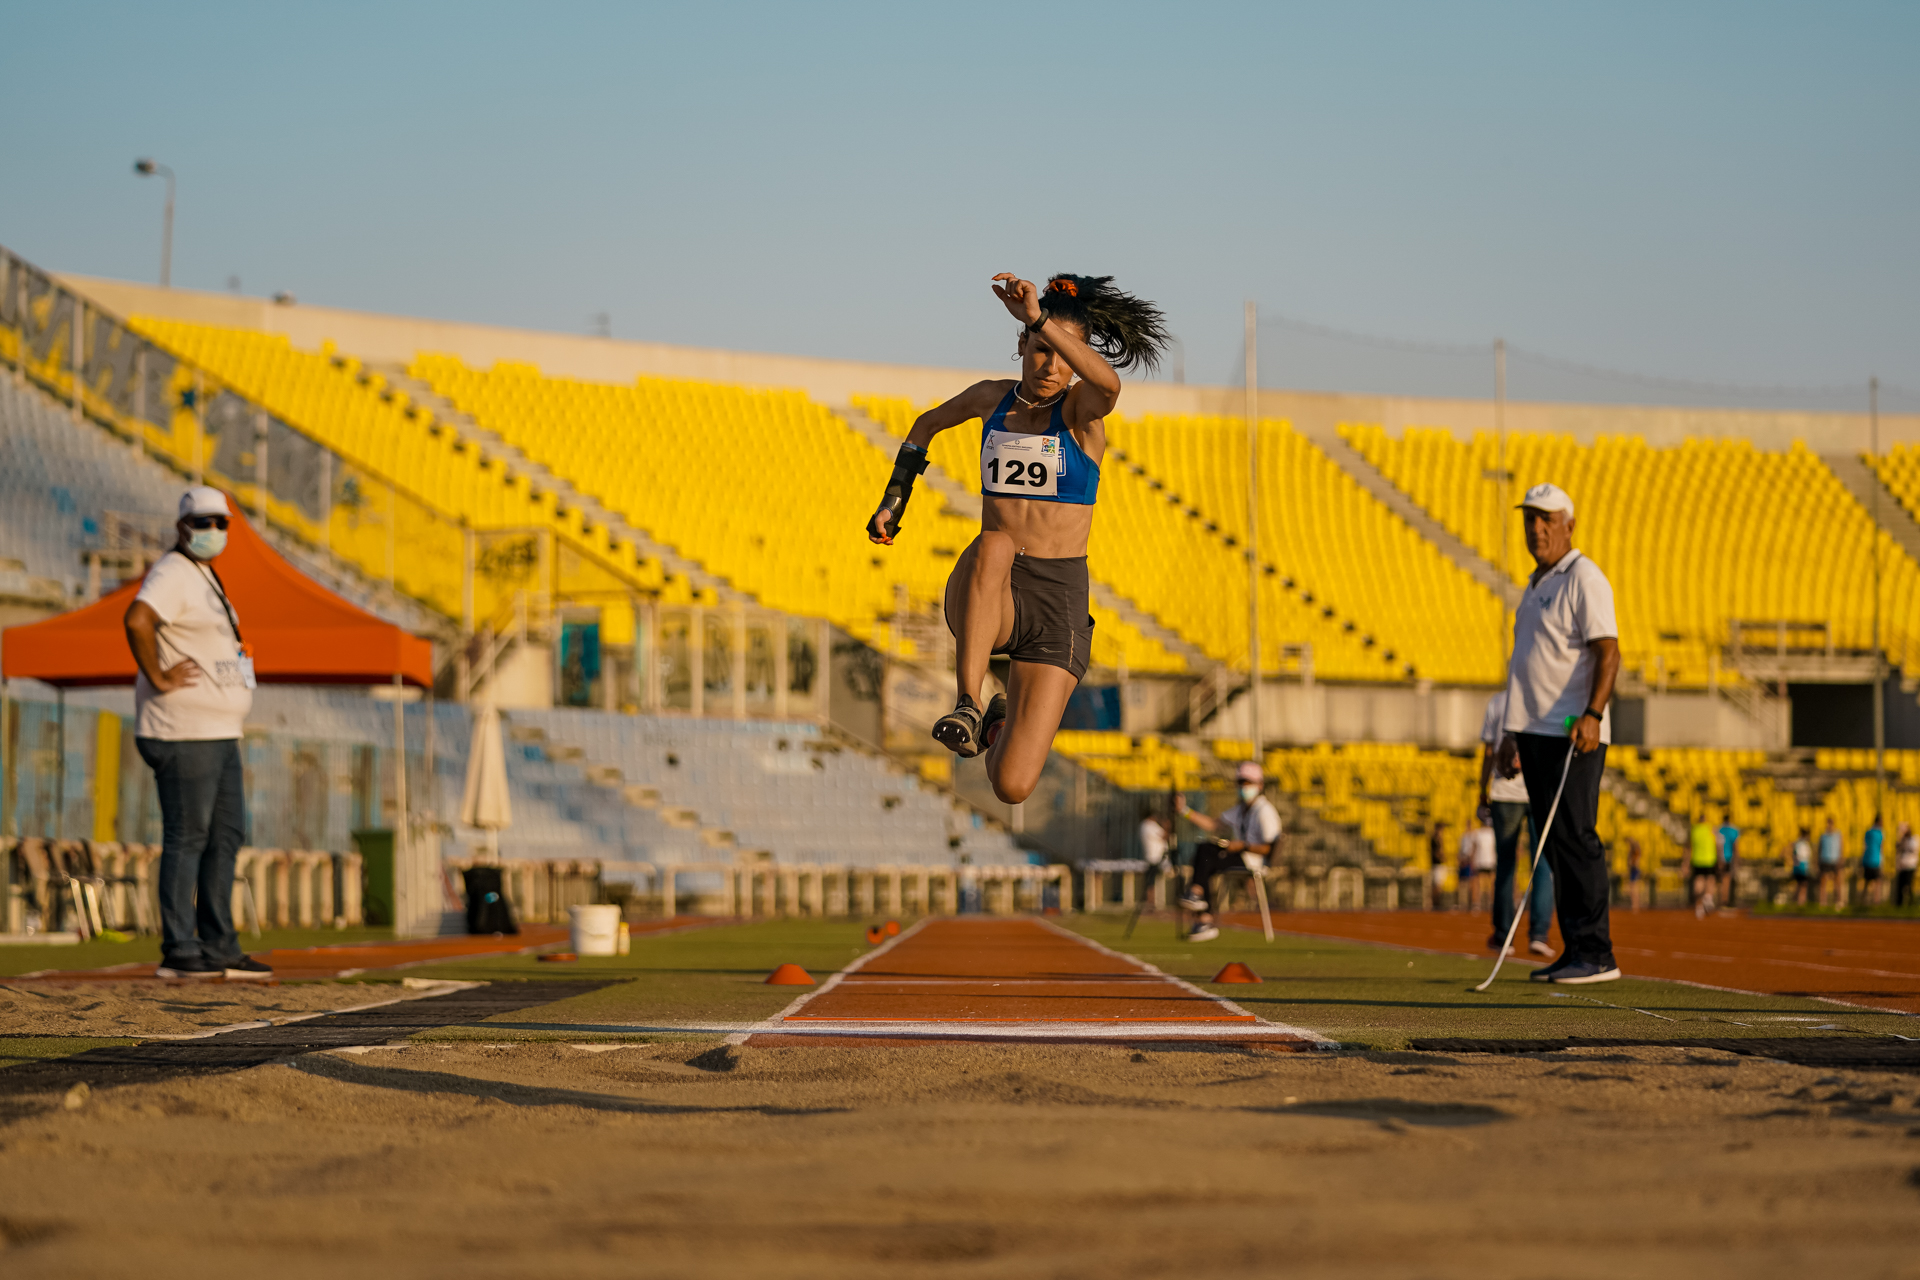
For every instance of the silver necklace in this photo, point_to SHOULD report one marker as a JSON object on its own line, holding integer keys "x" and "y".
{"x": 1031, "y": 404}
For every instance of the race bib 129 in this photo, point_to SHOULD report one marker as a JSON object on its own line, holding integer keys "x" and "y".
{"x": 1017, "y": 466}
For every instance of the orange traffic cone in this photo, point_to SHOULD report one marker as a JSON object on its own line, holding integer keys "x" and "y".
{"x": 893, "y": 927}
{"x": 1236, "y": 972}
{"x": 875, "y": 933}
{"x": 792, "y": 975}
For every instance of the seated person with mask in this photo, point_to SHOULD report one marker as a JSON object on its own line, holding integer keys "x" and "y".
{"x": 1244, "y": 835}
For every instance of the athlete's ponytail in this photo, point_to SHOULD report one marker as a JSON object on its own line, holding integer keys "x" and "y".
{"x": 1128, "y": 332}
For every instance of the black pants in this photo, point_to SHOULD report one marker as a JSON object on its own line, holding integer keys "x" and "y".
{"x": 1209, "y": 860}
{"x": 1582, "y": 885}
{"x": 1903, "y": 888}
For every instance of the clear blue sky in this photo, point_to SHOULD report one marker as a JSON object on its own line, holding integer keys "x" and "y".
{"x": 1721, "y": 192}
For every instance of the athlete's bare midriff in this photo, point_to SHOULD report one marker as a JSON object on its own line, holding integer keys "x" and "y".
{"x": 1051, "y": 530}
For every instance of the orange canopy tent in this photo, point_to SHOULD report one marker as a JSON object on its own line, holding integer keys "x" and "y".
{"x": 299, "y": 632}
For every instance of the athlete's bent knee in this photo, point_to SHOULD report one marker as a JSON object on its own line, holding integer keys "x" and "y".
{"x": 1013, "y": 789}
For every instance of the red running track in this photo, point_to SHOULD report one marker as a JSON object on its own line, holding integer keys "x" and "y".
{"x": 1875, "y": 963}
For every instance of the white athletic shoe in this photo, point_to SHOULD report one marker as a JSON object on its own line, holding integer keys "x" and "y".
{"x": 1540, "y": 948}
{"x": 1193, "y": 903}
{"x": 1203, "y": 933}
{"x": 1582, "y": 973}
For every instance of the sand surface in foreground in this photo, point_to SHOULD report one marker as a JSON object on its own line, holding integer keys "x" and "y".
{"x": 105, "y": 1008}
{"x": 466, "y": 1159}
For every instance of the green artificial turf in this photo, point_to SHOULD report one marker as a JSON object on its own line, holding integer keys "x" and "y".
{"x": 702, "y": 975}
{"x": 15, "y": 1050}
{"x": 28, "y": 957}
{"x": 1383, "y": 997}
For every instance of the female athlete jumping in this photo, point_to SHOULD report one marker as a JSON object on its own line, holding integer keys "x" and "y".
{"x": 1020, "y": 589}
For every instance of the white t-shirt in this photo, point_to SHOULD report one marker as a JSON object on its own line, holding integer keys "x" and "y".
{"x": 1477, "y": 849}
{"x": 1907, "y": 853}
{"x": 193, "y": 624}
{"x": 1503, "y": 790}
{"x": 1564, "y": 609}
{"x": 1153, "y": 842}
{"x": 1257, "y": 823}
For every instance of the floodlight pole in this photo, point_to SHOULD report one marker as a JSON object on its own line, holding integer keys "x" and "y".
{"x": 1502, "y": 489}
{"x": 146, "y": 169}
{"x": 1879, "y": 664}
{"x": 1253, "y": 524}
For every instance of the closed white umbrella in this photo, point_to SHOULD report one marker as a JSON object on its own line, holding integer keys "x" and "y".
{"x": 485, "y": 802}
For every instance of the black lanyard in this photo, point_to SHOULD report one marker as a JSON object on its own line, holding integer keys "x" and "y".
{"x": 221, "y": 589}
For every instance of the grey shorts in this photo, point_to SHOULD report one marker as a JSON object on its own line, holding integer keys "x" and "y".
{"x": 1051, "y": 624}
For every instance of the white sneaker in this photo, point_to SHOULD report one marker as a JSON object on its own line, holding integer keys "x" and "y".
{"x": 1203, "y": 933}
{"x": 1540, "y": 948}
{"x": 1192, "y": 903}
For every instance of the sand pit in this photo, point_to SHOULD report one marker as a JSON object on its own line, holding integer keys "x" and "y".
{"x": 686, "y": 1159}
{"x": 98, "y": 1008}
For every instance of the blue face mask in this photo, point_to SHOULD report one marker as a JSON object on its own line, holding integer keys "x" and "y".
{"x": 1248, "y": 791}
{"x": 205, "y": 544}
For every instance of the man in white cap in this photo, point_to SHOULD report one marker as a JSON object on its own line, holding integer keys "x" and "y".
{"x": 1566, "y": 655}
{"x": 191, "y": 700}
{"x": 1244, "y": 835}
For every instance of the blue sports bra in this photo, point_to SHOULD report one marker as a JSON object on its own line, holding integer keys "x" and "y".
{"x": 1044, "y": 468}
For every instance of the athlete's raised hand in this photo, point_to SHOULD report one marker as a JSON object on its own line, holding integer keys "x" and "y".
{"x": 881, "y": 528}
{"x": 1021, "y": 298}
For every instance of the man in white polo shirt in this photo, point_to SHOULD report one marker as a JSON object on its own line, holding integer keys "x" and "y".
{"x": 1566, "y": 655}
{"x": 191, "y": 700}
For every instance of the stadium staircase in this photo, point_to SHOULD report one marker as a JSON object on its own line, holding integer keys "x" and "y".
{"x": 1369, "y": 477}
{"x": 1864, "y": 482}
{"x": 543, "y": 479}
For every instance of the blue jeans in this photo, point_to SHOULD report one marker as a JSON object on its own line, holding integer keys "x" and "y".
{"x": 1508, "y": 817}
{"x": 203, "y": 823}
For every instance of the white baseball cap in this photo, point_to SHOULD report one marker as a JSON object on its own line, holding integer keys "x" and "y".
{"x": 1249, "y": 772}
{"x": 1547, "y": 497}
{"x": 203, "y": 500}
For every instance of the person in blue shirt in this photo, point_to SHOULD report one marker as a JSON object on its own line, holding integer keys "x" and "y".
{"x": 1728, "y": 839}
{"x": 1829, "y": 864}
{"x": 1872, "y": 854}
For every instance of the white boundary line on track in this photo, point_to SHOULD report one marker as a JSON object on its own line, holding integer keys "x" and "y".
{"x": 1125, "y": 1032}
{"x": 1284, "y": 1028}
{"x": 773, "y": 1024}
{"x": 422, "y": 992}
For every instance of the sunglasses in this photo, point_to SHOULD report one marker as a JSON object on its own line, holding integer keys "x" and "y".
{"x": 206, "y": 522}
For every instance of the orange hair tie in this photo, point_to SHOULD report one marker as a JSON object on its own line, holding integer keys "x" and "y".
{"x": 1064, "y": 286}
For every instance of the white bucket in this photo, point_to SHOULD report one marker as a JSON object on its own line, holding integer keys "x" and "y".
{"x": 596, "y": 930}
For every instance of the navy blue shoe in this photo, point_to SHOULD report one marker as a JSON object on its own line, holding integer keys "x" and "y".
{"x": 1585, "y": 971}
{"x": 1545, "y": 972}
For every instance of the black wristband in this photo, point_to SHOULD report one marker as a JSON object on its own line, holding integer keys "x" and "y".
{"x": 1039, "y": 324}
{"x": 1595, "y": 714}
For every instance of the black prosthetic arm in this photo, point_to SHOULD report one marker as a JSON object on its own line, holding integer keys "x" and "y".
{"x": 908, "y": 464}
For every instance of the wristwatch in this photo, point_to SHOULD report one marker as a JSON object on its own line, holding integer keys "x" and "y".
{"x": 1591, "y": 712}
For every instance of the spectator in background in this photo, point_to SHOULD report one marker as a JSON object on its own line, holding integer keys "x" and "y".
{"x": 1505, "y": 801}
{"x": 1802, "y": 859}
{"x": 1906, "y": 860}
{"x": 1478, "y": 858}
{"x": 1873, "y": 848}
{"x": 1830, "y": 864}
{"x": 1703, "y": 870}
{"x": 1244, "y": 835}
{"x": 1728, "y": 838}
{"x": 191, "y": 698}
{"x": 1635, "y": 881}
{"x": 1155, "y": 833}
{"x": 1438, "y": 859}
